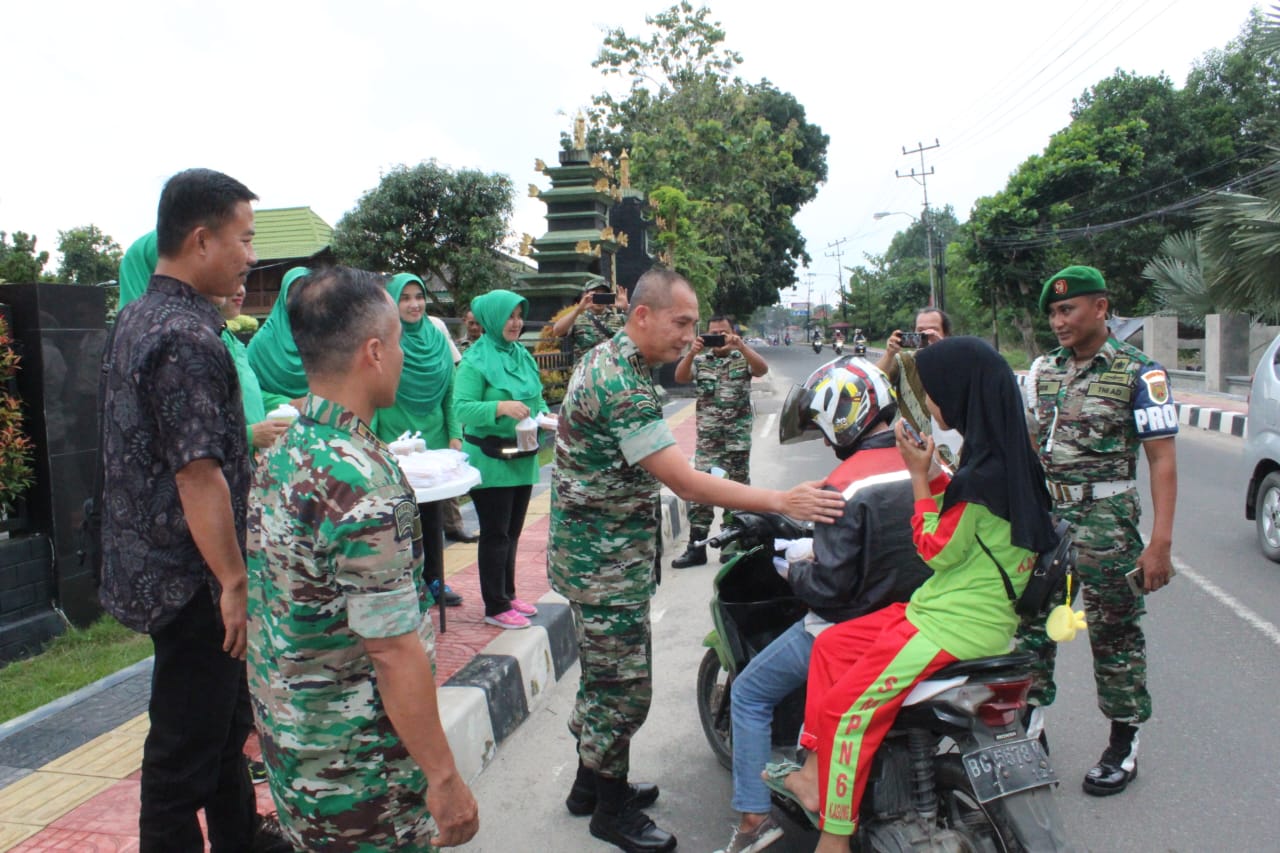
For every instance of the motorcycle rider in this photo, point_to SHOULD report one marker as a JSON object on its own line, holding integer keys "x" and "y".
{"x": 862, "y": 562}
{"x": 993, "y": 512}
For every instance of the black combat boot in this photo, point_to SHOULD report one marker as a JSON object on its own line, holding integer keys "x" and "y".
{"x": 620, "y": 822}
{"x": 693, "y": 555}
{"x": 582, "y": 797}
{"x": 1118, "y": 765}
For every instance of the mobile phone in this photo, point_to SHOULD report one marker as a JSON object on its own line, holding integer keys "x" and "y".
{"x": 604, "y": 298}
{"x": 912, "y": 433}
{"x": 712, "y": 341}
{"x": 913, "y": 340}
{"x": 1135, "y": 580}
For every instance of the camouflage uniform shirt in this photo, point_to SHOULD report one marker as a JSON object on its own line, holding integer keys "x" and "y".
{"x": 335, "y": 557}
{"x": 604, "y": 505}
{"x": 724, "y": 400}
{"x": 586, "y": 332}
{"x": 1090, "y": 419}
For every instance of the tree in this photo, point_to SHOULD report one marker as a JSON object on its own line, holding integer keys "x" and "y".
{"x": 428, "y": 220}
{"x": 20, "y": 262}
{"x": 743, "y": 152}
{"x": 1181, "y": 274}
{"x": 88, "y": 256}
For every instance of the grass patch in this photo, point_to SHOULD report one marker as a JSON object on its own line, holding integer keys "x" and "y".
{"x": 76, "y": 659}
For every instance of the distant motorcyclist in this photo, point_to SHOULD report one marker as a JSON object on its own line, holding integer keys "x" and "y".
{"x": 861, "y": 563}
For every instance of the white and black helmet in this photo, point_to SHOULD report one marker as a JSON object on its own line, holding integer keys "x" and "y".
{"x": 840, "y": 401}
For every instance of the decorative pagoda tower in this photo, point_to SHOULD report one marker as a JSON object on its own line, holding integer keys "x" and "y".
{"x": 579, "y": 245}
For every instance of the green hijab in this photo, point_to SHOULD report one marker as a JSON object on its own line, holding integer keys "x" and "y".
{"x": 428, "y": 362}
{"x": 272, "y": 352}
{"x": 504, "y": 364}
{"x": 136, "y": 267}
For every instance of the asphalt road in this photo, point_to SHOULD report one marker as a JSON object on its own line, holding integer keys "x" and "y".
{"x": 1209, "y": 775}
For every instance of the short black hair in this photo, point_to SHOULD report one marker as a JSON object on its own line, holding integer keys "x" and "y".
{"x": 654, "y": 288}
{"x": 193, "y": 198}
{"x": 333, "y": 311}
{"x": 946, "y": 319}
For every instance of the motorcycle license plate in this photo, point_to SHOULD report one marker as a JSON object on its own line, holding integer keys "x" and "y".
{"x": 1006, "y": 768}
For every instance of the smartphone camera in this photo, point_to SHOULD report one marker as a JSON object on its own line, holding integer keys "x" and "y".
{"x": 604, "y": 298}
{"x": 712, "y": 341}
{"x": 914, "y": 340}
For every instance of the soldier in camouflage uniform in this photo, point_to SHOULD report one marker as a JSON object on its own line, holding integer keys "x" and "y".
{"x": 613, "y": 450}
{"x": 1094, "y": 401}
{"x": 591, "y": 323}
{"x": 723, "y": 378}
{"x": 341, "y": 650}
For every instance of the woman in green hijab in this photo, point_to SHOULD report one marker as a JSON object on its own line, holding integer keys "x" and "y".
{"x": 424, "y": 404}
{"x": 497, "y": 386}
{"x": 273, "y": 354}
{"x": 136, "y": 268}
{"x": 424, "y": 400}
{"x": 261, "y": 432}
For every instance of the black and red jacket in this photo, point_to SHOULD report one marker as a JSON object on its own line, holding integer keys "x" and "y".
{"x": 866, "y": 560}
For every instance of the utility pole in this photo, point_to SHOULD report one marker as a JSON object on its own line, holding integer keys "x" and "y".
{"x": 835, "y": 244}
{"x": 808, "y": 306}
{"x": 936, "y": 295}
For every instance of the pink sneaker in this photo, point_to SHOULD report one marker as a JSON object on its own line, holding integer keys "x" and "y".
{"x": 524, "y": 608}
{"x": 508, "y": 620}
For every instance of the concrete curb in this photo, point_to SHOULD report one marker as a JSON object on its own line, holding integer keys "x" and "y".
{"x": 488, "y": 699}
{"x": 1214, "y": 420}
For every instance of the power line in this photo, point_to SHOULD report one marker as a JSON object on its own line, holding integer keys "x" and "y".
{"x": 922, "y": 178}
{"x": 1039, "y": 238}
{"x": 1004, "y": 118}
{"x": 1020, "y": 85}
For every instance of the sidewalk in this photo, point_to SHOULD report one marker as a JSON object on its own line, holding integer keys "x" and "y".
{"x": 69, "y": 772}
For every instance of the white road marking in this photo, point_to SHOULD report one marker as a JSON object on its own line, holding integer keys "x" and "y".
{"x": 656, "y": 616}
{"x": 766, "y": 426}
{"x": 1268, "y": 629}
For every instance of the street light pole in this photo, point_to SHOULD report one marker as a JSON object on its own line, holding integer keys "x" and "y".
{"x": 928, "y": 236}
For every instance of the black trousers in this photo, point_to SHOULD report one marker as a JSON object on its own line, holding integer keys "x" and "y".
{"x": 501, "y": 511}
{"x": 193, "y": 757}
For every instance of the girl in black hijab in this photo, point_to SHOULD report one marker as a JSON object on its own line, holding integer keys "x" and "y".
{"x": 973, "y": 391}
{"x": 995, "y": 507}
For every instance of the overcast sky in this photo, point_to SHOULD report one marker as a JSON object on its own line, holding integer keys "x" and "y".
{"x": 308, "y": 103}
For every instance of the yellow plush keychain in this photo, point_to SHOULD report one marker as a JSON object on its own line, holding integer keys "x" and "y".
{"x": 1063, "y": 622}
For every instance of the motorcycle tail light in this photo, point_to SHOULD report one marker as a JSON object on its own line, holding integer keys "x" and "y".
{"x": 1007, "y": 699}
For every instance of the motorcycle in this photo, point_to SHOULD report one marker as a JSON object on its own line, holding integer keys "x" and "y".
{"x": 838, "y": 347}
{"x": 817, "y": 345}
{"x": 956, "y": 772}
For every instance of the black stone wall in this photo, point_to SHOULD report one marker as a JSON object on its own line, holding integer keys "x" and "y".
{"x": 61, "y": 331}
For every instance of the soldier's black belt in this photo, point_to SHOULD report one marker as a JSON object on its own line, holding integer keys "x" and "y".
{"x": 1062, "y": 493}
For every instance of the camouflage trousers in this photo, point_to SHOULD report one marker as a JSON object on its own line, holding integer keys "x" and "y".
{"x": 1106, "y": 534}
{"x": 615, "y": 651}
{"x": 737, "y": 467}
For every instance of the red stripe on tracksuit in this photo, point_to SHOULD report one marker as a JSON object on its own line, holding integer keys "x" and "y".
{"x": 859, "y": 674}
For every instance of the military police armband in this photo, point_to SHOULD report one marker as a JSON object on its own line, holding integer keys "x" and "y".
{"x": 1154, "y": 414}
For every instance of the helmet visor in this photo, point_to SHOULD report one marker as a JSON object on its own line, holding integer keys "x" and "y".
{"x": 795, "y": 422}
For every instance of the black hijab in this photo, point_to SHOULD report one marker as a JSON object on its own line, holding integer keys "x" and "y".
{"x": 977, "y": 395}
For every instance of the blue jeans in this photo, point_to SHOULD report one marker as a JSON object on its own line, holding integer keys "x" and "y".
{"x": 782, "y": 667}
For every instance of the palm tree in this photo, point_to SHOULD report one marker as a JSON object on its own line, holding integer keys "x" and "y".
{"x": 1240, "y": 235}
{"x": 1238, "y": 242}
{"x": 1180, "y": 275}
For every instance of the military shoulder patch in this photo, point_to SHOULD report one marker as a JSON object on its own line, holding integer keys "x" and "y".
{"x": 1157, "y": 382}
{"x": 404, "y": 513}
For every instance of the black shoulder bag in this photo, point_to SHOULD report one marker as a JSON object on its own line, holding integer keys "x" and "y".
{"x": 1047, "y": 586}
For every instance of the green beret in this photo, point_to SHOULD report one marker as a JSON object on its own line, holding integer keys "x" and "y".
{"x": 1071, "y": 282}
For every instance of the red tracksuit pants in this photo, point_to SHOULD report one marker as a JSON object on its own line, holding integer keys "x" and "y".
{"x": 859, "y": 674}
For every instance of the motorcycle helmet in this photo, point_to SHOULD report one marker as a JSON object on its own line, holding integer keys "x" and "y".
{"x": 840, "y": 401}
